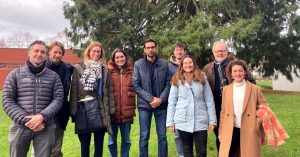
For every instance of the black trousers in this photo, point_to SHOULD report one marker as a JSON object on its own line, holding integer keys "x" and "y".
{"x": 235, "y": 143}
{"x": 85, "y": 141}
{"x": 200, "y": 140}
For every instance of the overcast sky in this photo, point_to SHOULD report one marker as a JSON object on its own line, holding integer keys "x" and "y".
{"x": 43, "y": 18}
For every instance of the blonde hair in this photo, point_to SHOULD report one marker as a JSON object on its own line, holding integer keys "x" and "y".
{"x": 198, "y": 75}
{"x": 86, "y": 54}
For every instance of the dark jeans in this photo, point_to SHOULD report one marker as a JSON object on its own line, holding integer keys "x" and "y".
{"x": 235, "y": 143}
{"x": 216, "y": 130}
{"x": 145, "y": 116}
{"x": 178, "y": 143}
{"x": 200, "y": 140}
{"x": 125, "y": 138}
{"x": 85, "y": 140}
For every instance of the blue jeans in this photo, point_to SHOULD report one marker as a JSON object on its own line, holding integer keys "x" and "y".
{"x": 125, "y": 134}
{"x": 145, "y": 116}
{"x": 85, "y": 140}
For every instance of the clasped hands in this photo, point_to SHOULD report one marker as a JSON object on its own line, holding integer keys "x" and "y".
{"x": 155, "y": 102}
{"x": 35, "y": 122}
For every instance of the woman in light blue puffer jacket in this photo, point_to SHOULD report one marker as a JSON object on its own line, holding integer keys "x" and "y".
{"x": 191, "y": 107}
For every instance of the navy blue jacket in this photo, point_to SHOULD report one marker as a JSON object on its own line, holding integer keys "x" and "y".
{"x": 142, "y": 85}
{"x": 64, "y": 71}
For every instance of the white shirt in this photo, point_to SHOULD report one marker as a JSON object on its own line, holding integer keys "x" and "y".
{"x": 238, "y": 101}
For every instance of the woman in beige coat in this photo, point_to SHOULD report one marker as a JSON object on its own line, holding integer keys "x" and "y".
{"x": 239, "y": 131}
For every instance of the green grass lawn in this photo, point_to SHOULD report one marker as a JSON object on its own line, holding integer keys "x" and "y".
{"x": 285, "y": 104}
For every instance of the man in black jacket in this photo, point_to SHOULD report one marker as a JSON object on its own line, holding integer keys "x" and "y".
{"x": 64, "y": 71}
{"x": 32, "y": 96}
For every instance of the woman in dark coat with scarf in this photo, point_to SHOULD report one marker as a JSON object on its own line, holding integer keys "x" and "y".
{"x": 91, "y": 86}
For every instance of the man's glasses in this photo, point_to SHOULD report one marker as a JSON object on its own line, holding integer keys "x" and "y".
{"x": 151, "y": 47}
{"x": 220, "y": 51}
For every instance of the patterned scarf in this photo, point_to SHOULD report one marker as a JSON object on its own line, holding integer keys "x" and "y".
{"x": 272, "y": 130}
{"x": 221, "y": 70}
{"x": 91, "y": 74}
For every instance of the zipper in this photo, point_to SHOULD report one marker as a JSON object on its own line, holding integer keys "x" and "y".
{"x": 36, "y": 87}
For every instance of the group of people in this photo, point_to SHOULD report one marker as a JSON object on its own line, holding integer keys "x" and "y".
{"x": 41, "y": 95}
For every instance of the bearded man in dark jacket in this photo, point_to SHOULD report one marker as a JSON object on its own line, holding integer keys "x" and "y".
{"x": 151, "y": 82}
{"x": 32, "y": 96}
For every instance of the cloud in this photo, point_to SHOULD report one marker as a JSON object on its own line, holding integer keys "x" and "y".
{"x": 39, "y": 17}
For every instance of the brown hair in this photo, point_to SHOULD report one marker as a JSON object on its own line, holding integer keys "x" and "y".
{"x": 241, "y": 63}
{"x": 86, "y": 54}
{"x": 198, "y": 75}
{"x": 181, "y": 45}
{"x": 59, "y": 44}
{"x": 113, "y": 54}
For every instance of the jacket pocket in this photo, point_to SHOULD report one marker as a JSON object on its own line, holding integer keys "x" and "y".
{"x": 180, "y": 113}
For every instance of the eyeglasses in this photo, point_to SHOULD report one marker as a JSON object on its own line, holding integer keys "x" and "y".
{"x": 151, "y": 47}
{"x": 220, "y": 51}
{"x": 96, "y": 51}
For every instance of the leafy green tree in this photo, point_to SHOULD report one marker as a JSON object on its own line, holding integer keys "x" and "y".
{"x": 117, "y": 23}
{"x": 262, "y": 32}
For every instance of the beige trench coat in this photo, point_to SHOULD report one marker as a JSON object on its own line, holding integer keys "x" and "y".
{"x": 250, "y": 135}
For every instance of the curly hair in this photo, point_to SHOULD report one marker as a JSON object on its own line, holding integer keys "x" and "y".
{"x": 241, "y": 63}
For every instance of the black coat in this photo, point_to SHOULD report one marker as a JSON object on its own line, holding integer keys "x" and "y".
{"x": 64, "y": 70}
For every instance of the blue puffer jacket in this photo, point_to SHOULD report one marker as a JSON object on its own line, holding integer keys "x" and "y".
{"x": 141, "y": 82}
{"x": 191, "y": 107}
{"x": 27, "y": 94}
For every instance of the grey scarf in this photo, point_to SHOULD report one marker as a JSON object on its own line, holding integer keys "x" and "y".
{"x": 221, "y": 71}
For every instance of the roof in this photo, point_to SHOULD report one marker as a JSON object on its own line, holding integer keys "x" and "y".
{"x": 19, "y": 55}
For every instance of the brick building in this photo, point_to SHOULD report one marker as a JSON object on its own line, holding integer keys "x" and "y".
{"x": 11, "y": 58}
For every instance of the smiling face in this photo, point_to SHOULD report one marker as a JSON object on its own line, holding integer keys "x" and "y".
{"x": 238, "y": 73}
{"x": 120, "y": 59}
{"x": 188, "y": 65}
{"x": 179, "y": 52}
{"x": 95, "y": 53}
{"x": 220, "y": 51}
{"x": 55, "y": 54}
{"x": 37, "y": 54}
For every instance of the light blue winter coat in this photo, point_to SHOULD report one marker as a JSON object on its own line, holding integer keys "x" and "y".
{"x": 191, "y": 107}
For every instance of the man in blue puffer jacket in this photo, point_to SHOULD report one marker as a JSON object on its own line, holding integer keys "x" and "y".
{"x": 32, "y": 95}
